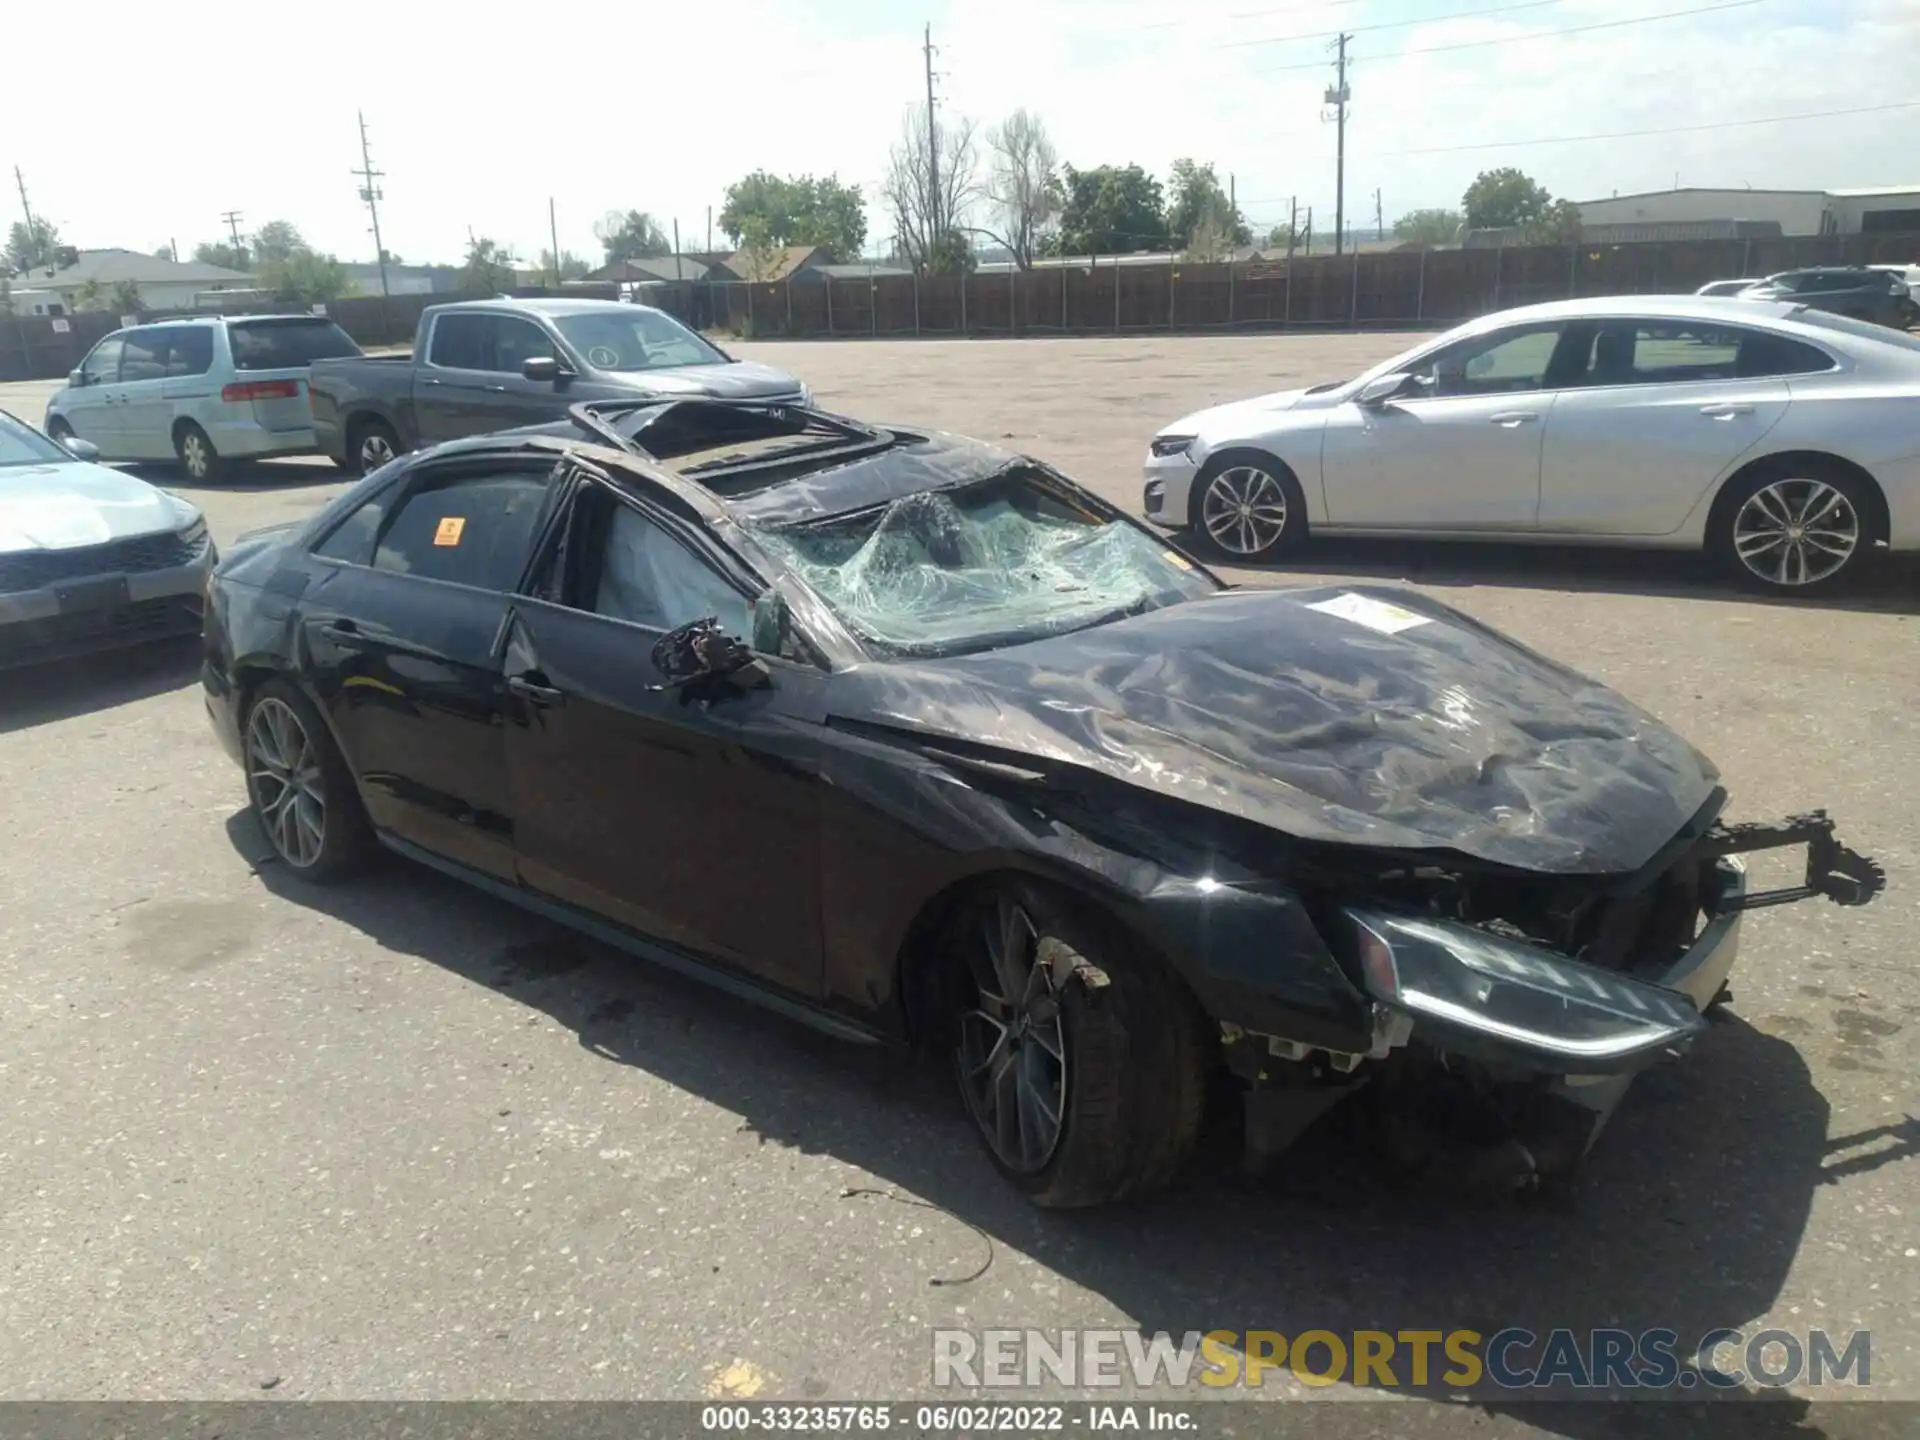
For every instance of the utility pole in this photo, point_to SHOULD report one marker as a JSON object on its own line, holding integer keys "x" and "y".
{"x": 40, "y": 257}
{"x": 1338, "y": 97}
{"x": 933, "y": 153}
{"x": 1309, "y": 229}
{"x": 1293, "y": 223}
{"x": 232, "y": 217}
{"x": 372, "y": 194}
{"x": 1379, "y": 217}
{"x": 553, "y": 233}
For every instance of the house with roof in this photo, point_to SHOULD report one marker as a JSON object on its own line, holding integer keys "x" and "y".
{"x": 162, "y": 284}
{"x": 647, "y": 269}
{"x": 785, "y": 262}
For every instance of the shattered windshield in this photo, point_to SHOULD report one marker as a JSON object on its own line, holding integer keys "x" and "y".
{"x": 1004, "y": 560}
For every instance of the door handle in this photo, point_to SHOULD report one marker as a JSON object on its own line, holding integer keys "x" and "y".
{"x": 1725, "y": 412}
{"x": 496, "y": 389}
{"x": 1511, "y": 418}
{"x": 429, "y": 380}
{"x": 534, "y": 693}
{"x": 344, "y": 631}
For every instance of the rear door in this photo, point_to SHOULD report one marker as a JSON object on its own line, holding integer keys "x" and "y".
{"x": 270, "y": 360}
{"x": 146, "y": 422}
{"x": 93, "y": 408}
{"x": 403, "y": 624}
{"x": 1659, "y": 410}
{"x": 694, "y": 821}
{"x": 472, "y": 383}
{"x": 191, "y": 385}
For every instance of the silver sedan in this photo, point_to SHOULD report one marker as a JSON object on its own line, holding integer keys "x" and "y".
{"x": 1785, "y": 441}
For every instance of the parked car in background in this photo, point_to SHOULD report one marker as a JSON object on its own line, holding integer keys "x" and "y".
{"x": 480, "y": 366}
{"x": 91, "y": 558}
{"x": 1728, "y": 287}
{"x": 1783, "y": 439}
{"x": 1865, "y": 292}
{"x": 918, "y": 741}
{"x": 200, "y": 392}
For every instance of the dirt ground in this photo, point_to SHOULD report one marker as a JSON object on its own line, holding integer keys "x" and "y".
{"x": 399, "y": 1140}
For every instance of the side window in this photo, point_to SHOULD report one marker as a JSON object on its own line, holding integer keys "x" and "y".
{"x": 460, "y": 342}
{"x": 1495, "y": 364}
{"x": 1659, "y": 352}
{"x": 649, "y": 578}
{"x": 515, "y": 342}
{"x": 191, "y": 352}
{"x": 1763, "y": 354}
{"x": 144, "y": 355}
{"x": 352, "y": 539}
{"x": 103, "y": 365}
{"x": 473, "y": 529}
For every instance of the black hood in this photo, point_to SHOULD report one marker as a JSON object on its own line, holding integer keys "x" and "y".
{"x": 1406, "y": 727}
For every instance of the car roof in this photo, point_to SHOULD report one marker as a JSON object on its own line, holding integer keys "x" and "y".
{"x": 1677, "y": 307}
{"x": 211, "y": 320}
{"x": 547, "y": 305}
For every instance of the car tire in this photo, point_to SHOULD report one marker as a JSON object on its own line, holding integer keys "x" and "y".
{"x": 1247, "y": 507}
{"x": 370, "y": 444}
{"x": 1100, "y": 1028}
{"x": 196, "y": 454}
{"x": 300, "y": 788}
{"x": 59, "y": 431}
{"x": 1795, "y": 527}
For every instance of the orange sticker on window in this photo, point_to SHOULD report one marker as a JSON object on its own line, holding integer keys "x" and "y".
{"x": 449, "y": 531}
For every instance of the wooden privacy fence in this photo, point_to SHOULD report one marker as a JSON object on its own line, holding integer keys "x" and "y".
{"x": 1377, "y": 289}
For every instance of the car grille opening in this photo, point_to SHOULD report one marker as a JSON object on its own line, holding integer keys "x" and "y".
{"x": 37, "y": 569}
{"x": 30, "y": 642}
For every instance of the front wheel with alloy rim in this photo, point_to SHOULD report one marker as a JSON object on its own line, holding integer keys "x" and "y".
{"x": 196, "y": 453}
{"x": 374, "y": 444}
{"x": 1249, "y": 507}
{"x": 1794, "y": 528}
{"x": 300, "y": 789}
{"x": 1080, "y": 1058}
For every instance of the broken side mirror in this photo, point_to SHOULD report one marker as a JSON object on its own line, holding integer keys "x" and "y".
{"x": 772, "y": 624}
{"x": 700, "y": 652}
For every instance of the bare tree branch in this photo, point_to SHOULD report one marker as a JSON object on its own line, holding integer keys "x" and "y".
{"x": 1024, "y": 186}
{"x": 926, "y": 216}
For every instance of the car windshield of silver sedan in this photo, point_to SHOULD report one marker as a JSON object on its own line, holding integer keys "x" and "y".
{"x": 641, "y": 340}
{"x": 20, "y": 445}
{"x": 1002, "y": 561}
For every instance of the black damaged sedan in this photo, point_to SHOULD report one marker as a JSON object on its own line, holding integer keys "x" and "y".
{"x": 918, "y": 741}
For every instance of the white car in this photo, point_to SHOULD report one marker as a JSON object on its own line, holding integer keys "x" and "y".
{"x": 199, "y": 391}
{"x": 1729, "y": 287}
{"x": 1784, "y": 440}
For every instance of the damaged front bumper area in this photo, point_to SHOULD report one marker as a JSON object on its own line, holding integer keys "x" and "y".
{"x": 1498, "y": 1059}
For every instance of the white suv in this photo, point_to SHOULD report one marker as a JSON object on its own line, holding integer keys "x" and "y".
{"x": 198, "y": 391}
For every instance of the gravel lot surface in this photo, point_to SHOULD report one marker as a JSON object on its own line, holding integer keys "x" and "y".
{"x": 400, "y": 1141}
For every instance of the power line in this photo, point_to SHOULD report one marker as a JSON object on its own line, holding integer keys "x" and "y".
{"x": 1534, "y": 35}
{"x": 1660, "y": 130}
{"x": 1389, "y": 25}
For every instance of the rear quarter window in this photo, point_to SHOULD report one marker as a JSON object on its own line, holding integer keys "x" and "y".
{"x": 473, "y": 530}
{"x": 287, "y": 344}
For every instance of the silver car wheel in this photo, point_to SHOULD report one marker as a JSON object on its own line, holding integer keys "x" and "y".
{"x": 283, "y": 778}
{"x": 196, "y": 454}
{"x": 1012, "y": 1054}
{"x": 375, "y": 451}
{"x": 1244, "y": 510}
{"x": 1796, "y": 532}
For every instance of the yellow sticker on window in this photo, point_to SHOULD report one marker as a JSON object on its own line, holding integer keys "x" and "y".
{"x": 449, "y": 531}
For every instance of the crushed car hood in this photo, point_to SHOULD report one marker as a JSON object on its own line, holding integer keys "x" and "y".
{"x": 61, "y": 506}
{"x": 740, "y": 380}
{"x": 1366, "y": 716}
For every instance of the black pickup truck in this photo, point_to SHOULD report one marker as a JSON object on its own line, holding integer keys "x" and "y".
{"x": 485, "y": 365}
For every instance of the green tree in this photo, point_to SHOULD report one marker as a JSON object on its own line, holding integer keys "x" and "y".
{"x": 278, "y": 240}
{"x": 1504, "y": 197}
{"x": 797, "y": 210}
{"x": 1559, "y": 224}
{"x": 759, "y": 255}
{"x": 1429, "y": 227}
{"x": 489, "y": 267}
{"x": 26, "y": 250}
{"x": 219, "y": 252}
{"x": 93, "y": 297}
{"x": 1199, "y": 214}
{"x": 305, "y": 277}
{"x": 572, "y": 267}
{"x": 631, "y": 235}
{"x": 124, "y": 299}
{"x": 1111, "y": 210}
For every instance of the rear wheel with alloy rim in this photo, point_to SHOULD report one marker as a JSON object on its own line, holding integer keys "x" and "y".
{"x": 1249, "y": 507}
{"x": 374, "y": 444}
{"x": 1081, "y": 1060}
{"x": 299, "y": 786}
{"x": 1795, "y": 528}
{"x": 197, "y": 455}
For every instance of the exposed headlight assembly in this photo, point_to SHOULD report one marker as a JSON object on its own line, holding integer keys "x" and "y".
{"x": 1517, "y": 997}
{"x": 1164, "y": 446}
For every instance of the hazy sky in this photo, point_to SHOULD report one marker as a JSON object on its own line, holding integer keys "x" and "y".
{"x": 479, "y": 113}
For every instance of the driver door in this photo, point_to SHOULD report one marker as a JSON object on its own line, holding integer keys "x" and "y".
{"x": 1461, "y": 450}
{"x": 691, "y": 821}
{"x": 93, "y": 409}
